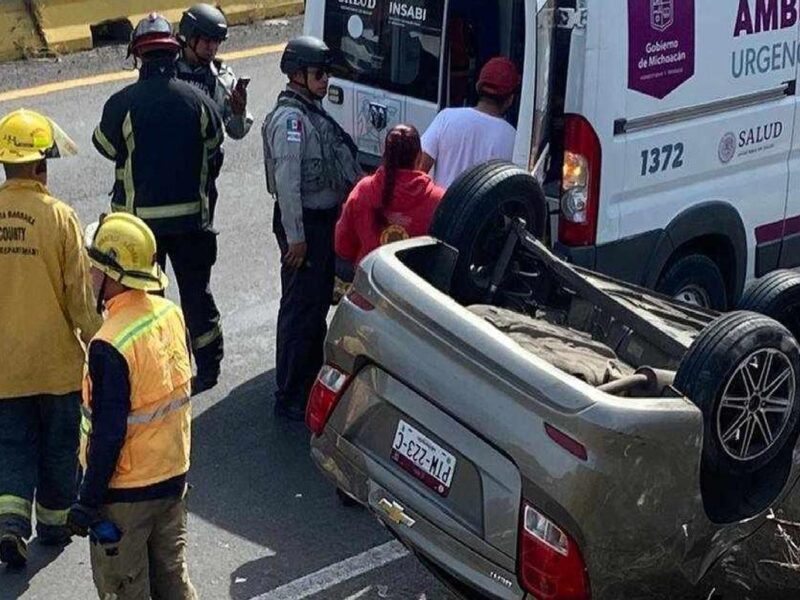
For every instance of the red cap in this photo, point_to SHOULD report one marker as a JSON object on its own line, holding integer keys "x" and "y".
{"x": 499, "y": 77}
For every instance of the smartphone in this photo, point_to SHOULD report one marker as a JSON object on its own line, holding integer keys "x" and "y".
{"x": 243, "y": 82}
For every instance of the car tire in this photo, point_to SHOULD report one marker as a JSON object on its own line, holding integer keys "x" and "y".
{"x": 474, "y": 218}
{"x": 776, "y": 295}
{"x": 695, "y": 279}
{"x": 743, "y": 371}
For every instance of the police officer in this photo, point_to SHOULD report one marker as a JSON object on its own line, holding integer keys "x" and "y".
{"x": 311, "y": 166}
{"x": 136, "y": 427}
{"x": 46, "y": 309}
{"x": 202, "y": 29}
{"x": 165, "y": 137}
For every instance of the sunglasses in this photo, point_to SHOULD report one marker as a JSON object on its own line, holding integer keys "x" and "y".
{"x": 319, "y": 74}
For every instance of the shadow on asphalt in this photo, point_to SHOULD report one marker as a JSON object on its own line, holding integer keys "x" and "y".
{"x": 15, "y": 582}
{"x": 253, "y": 476}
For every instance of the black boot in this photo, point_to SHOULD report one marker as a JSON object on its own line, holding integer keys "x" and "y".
{"x": 13, "y": 550}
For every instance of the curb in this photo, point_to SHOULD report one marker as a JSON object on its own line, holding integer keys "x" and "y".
{"x": 32, "y": 27}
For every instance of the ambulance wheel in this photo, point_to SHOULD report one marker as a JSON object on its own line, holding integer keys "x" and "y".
{"x": 695, "y": 279}
{"x": 776, "y": 295}
{"x": 475, "y": 217}
{"x": 742, "y": 371}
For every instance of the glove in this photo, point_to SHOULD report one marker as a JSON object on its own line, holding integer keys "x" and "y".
{"x": 81, "y": 517}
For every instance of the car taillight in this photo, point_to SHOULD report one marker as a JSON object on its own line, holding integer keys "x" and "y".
{"x": 325, "y": 393}
{"x": 359, "y": 300}
{"x": 580, "y": 183}
{"x": 550, "y": 564}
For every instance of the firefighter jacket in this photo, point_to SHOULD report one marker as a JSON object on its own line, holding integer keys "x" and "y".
{"x": 45, "y": 293}
{"x": 165, "y": 137}
{"x": 218, "y": 81}
{"x": 310, "y": 161}
{"x": 149, "y": 333}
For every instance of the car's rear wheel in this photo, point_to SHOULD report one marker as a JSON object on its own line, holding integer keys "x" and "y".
{"x": 475, "y": 217}
{"x": 776, "y": 295}
{"x": 743, "y": 371}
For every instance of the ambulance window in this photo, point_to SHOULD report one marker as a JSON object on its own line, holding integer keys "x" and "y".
{"x": 391, "y": 45}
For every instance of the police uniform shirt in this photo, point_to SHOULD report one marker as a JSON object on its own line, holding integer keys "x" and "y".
{"x": 218, "y": 81}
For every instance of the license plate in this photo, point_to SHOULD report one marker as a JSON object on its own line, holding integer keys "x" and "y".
{"x": 423, "y": 458}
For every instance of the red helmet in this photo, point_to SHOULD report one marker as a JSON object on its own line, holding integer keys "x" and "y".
{"x": 152, "y": 33}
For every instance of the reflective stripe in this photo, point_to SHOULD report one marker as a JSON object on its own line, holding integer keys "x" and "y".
{"x": 118, "y": 207}
{"x": 47, "y": 516}
{"x": 138, "y": 328}
{"x": 207, "y": 338}
{"x": 14, "y": 505}
{"x": 104, "y": 142}
{"x": 168, "y": 211}
{"x": 130, "y": 143}
{"x": 142, "y": 418}
{"x": 207, "y": 147}
{"x": 160, "y": 413}
{"x": 86, "y": 421}
{"x": 120, "y": 174}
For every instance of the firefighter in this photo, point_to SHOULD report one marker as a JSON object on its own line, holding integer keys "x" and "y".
{"x": 136, "y": 426}
{"x": 165, "y": 137}
{"x": 202, "y": 29}
{"x": 46, "y": 300}
{"x": 311, "y": 167}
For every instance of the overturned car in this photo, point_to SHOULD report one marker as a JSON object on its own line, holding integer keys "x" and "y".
{"x": 534, "y": 430}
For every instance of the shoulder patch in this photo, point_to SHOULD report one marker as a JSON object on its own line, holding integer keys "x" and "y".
{"x": 294, "y": 130}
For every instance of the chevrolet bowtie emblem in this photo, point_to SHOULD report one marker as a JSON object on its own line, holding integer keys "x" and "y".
{"x": 396, "y": 513}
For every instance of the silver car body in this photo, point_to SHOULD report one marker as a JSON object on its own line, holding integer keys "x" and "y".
{"x": 634, "y": 507}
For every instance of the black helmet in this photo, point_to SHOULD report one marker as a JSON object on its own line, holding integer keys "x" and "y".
{"x": 153, "y": 33}
{"x": 205, "y": 20}
{"x": 305, "y": 51}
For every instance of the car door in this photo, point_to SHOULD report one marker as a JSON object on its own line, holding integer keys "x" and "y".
{"x": 388, "y": 66}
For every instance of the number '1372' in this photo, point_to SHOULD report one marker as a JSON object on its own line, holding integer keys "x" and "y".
{"x": 669, "y": 156}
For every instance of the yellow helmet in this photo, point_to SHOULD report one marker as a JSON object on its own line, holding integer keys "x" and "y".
{"x": 26, "y": 136}
{"x": 123, "y": 247}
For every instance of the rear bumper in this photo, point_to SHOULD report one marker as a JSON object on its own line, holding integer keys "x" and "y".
{"x": 641, "y": 574}
{"x": 462, "y": 569}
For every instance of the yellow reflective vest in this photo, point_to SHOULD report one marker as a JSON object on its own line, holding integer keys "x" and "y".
{"x": 45, "y": 293}
{"x": 150, "y": 334}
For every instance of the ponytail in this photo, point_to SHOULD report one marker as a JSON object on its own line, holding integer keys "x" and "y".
{"x": 403, "y": 148}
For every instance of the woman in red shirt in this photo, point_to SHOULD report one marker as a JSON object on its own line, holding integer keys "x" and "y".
{"x": 395, "y": 203}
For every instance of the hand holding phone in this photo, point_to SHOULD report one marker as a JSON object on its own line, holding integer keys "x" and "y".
{"x": 239, "y": 96}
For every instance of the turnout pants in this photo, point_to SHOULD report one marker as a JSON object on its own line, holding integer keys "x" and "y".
{"x": 38, "y": 458}
{"x": 305, "y": 300}
{"x": 150, "y": 559}
{"x": 192, "y": 256}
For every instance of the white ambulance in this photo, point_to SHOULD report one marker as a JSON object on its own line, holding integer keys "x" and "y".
{"x": 664, "y": 129}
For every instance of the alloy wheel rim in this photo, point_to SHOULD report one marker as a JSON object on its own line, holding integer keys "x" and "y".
{"x": 756, "y": 404}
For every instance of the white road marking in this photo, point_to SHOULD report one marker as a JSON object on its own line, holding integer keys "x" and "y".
{"x": 333, "y": 575}
{"x": 360, "y": 594}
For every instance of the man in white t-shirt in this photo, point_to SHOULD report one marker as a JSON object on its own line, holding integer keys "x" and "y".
{"x": 460, "y": 138}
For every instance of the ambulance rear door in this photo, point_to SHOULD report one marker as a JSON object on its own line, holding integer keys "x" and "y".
{"x": 389, "y": 66}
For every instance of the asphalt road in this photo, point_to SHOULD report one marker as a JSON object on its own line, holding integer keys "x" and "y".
{"x": 263, "y": 522}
